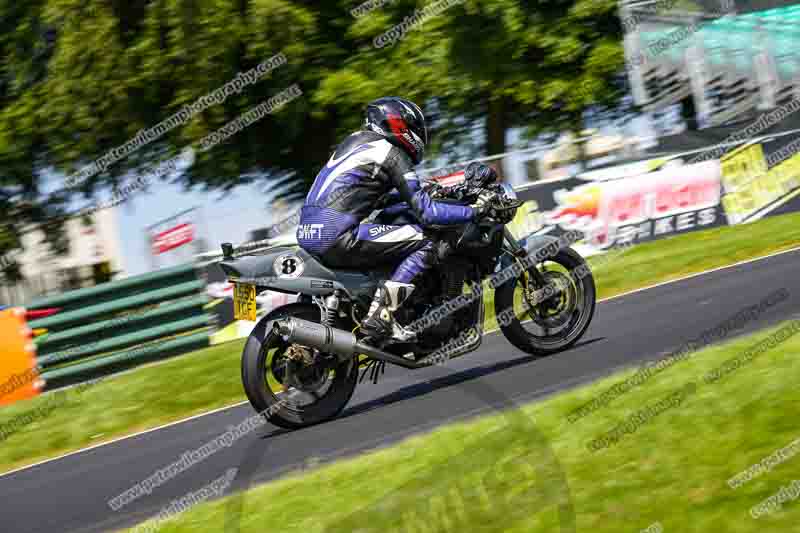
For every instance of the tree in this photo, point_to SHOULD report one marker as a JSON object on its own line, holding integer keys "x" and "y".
{"x": 506, "y": 63}
{"x": 109, "y": 69}
{"x": 83, "y": 77}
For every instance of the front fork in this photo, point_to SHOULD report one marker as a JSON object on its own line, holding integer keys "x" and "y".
{"x": 531, "y": 274}
{"x": 519, "y": 252}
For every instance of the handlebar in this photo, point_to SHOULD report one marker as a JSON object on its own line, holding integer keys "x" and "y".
{"x": 508, "y": 205}
{"x": 466, "y": 193}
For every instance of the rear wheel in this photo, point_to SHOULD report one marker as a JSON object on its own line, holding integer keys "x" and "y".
{"x": 549, "y": 319}
{"x": 290, "y": 385}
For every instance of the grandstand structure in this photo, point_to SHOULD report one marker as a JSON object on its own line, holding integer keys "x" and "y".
{"x": 722, "y": 61}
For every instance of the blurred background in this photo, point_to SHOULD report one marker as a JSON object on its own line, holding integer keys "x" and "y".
{"x": 137, "y": 136}
{"x": 543, "y": 91}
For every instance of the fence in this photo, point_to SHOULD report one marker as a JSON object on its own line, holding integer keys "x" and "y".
{"x": 115, "y": 326}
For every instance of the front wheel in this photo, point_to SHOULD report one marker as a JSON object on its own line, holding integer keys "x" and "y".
{"x": 542, "y": 320}
{"x": 287, "y": 383}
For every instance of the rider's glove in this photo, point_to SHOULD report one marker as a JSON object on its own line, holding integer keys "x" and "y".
{"x": 484, "y": 205}
{"x": 432, "y": 188}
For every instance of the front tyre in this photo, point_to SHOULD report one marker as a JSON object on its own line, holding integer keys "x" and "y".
{"x": 282, "y": 385}
{"x": 545, "y": 320}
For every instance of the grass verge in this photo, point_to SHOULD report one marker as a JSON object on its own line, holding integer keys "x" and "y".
{"x": 208, "y": 379}
{"x": 673, "y": 258}
{"x": 152, "y": 395}
{"x": 672, "y": 469}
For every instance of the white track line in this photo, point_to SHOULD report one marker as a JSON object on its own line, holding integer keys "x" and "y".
{"x": 124, "y": 437}
{"x": 170, "y": 424}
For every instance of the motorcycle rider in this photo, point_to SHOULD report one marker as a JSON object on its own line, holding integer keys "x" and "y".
{"x": 374, "y": 169}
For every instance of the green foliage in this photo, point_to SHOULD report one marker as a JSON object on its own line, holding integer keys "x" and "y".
{"x": 82, "y": 77}
{"x": 544, "y": 63}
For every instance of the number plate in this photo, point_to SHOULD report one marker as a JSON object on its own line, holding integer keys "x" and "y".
{"x": 244, "y": 302}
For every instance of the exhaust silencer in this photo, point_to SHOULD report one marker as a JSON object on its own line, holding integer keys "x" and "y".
{"x": 323, "y": 338}
{"x": 339, "y": 342}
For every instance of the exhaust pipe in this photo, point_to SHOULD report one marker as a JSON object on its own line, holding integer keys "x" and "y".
{"x": 339, "y": 342}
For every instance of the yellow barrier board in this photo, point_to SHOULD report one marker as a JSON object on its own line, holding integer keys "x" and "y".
{"x": 19, "y": 378}
{"x": 750, "y": 186}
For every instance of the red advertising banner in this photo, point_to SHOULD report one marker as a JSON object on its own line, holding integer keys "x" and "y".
{"x": 660, "y": 203}
{"x": 634, "y": 209}
{"x": 450, "y": 179}
{"x": 173, "y": 238}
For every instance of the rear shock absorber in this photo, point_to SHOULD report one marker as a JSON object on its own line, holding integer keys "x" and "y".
{"x": 331, "y": 310}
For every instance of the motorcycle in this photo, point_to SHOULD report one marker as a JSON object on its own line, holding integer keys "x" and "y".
{"x": 301, "y": 363}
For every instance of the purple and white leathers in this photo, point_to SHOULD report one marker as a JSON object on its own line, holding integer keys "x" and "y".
{"x": 374, "y": 169}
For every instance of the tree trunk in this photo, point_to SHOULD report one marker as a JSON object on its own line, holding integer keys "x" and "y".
{"x": 582, "y": 146}
{"x": 319, "y": 141}
{"x": 496, "y": 126}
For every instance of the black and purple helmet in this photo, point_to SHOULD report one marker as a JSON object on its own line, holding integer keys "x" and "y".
{"x": 401, "y": 122}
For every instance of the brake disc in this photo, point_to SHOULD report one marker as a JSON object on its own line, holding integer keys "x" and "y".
{"x": 303, "y": 371}
{"x": 302, "y": 354}
{"x": 552, "y": 302}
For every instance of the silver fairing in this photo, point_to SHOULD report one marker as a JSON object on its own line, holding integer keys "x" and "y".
{"x": 293, "y": 270}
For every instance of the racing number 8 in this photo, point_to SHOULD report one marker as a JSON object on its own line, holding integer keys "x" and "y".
{"x": 289, "y": 266}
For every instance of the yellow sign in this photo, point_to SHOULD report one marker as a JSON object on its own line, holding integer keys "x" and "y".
{"x": 244, "y": 302}
{"x": 750, "y": 186}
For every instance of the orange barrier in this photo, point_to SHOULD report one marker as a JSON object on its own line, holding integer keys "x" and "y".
{"x": 19, "y": 378}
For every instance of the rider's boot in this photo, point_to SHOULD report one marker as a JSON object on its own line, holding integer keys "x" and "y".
{"x": 380, "y": 324}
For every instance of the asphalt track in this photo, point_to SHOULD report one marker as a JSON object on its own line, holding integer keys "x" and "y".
{"x": 70, "y": 494}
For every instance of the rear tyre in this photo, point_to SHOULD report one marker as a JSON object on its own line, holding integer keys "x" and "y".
{"x": 288, "y": 393}
{"x": 556, "y": 323}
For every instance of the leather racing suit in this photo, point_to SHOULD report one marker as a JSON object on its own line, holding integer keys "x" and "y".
{"x": 365, "y": 173}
